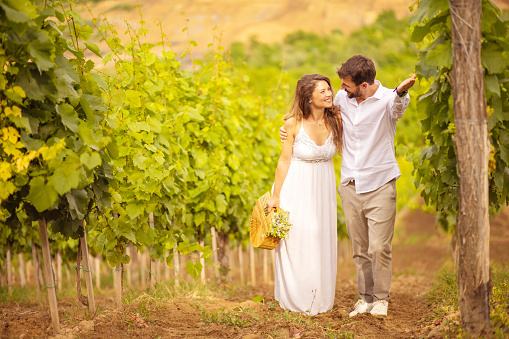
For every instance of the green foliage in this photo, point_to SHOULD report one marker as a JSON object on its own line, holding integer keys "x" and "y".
{"x": 193, "y": 143}
{"x": 435, "y": 166}
{"x": 51, "y": 148}
{"x": 184, "y": 144}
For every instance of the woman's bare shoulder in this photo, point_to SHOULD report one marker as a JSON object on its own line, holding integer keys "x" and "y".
{"x": 290, "y": 124}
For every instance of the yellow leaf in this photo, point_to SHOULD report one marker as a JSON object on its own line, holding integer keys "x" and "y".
{"x": 18, "y": 90}
{"x": 15, "y": 110}
{"x": 23, "y": 162}
{"x": 10, "y": 134}
{"x": 10, "y": 149}
{"x": 49, "y": 153}
{"x": 6, "y": 189}
{"x": 5, "y": 171}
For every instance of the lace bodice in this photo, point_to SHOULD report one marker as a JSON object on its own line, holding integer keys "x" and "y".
{"x": 306, "y": 150}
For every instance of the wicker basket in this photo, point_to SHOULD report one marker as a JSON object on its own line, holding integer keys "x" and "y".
{"x": 260, "y": 223}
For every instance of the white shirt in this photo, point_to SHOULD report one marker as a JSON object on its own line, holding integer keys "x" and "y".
{"x": 369, "y": 129}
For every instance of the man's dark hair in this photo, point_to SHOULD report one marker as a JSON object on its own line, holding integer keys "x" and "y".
{"x": 359, "y": 69}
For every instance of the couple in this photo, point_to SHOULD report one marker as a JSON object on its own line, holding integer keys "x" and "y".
{"x": 367, "y": 113}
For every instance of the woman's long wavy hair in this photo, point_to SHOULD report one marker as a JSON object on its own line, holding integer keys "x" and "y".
{"x": 301, "y": 107}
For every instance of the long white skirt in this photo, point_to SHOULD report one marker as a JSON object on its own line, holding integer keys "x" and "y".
{"x": 306, "y": 263}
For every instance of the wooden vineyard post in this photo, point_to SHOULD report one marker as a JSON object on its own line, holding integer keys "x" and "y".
{"x": 50, "y": 280}
{"x": 68, "y": 277}
{"x": 143, "y": 268}
{"x": 28, "y": 271}
{"x": 233, "y": 260}
{"x": 8, "y": 265}
{"x": 35, "y": 263}
{"x": 473, "y": 152}
{"x": 176, "y": 265}
{"x": 158, "y": 269}
{"x": 39, "y": 267}
{"x": 202, "y": 262}
{"x": 117, "y": 279}
{"x": 214, "y": 249}
{"x": 118, "y": 286}
{"x": 252, "y": 266}
{"x": 133, "y": 253}
{"x": 86, "y": 269}
{"x": 58, "y": 259}
{"x": 22, "y": 277}
{"x": 166, "y": 269}
{"x": 97, "y": 271}
{"x": 129, "y": 267}
{"x": 151, "y": 268}
{"x": 241, "y": 263}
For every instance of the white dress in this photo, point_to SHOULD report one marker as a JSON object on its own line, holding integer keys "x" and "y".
{"x": 306, "y": 263}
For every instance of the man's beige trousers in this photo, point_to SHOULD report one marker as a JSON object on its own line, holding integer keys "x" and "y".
{"x": 370, "y": 219}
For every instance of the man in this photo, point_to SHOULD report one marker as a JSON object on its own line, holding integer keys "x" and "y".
{"x": 369, "y": 170}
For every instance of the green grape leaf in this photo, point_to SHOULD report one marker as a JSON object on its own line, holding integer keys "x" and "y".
{"x": 440, "y": 56}
{"x": 193, "y": 114}
{"x": 65, "y": 178}
{"x": 36, "y": 86}
{"x": 134, "y": 98}
{"x": 493, "y": 59}
{"x": 93, "y": 48}
{"x": 23, "y": 123}
{"x": 69, "y": 116}
{"x": 135, "y": 209}
{"x": 125, "y": 229}
{"x": 504, "y": 146}
{"x": 114, "y": 258}
{"x": 202, "y": 187}
{"x": 41, "y": 49}
{"x": 13, "y": 15}
{"x": 41, "y": 196}
{"x": 199, "y": 218}
{"x": 90, "y": 160}
{"x": 100, "y": 81}
{"x": 100, "y": 242}
{"x": 221, "y": 203}
{"x": 193, "y": 269}
{"x": 142, "y": 237}
{"x": 96, "y": 103}
{"x": 491, "y": 85}
{"x": 78, "y": 203}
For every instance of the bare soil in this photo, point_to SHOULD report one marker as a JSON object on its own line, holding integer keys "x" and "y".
{"x": 420, "y": 249}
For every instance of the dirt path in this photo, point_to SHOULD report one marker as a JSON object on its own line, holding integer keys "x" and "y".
{"x": 420, "y": 249}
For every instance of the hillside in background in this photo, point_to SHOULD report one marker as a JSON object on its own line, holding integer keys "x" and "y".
{"x": 239, "y": 20}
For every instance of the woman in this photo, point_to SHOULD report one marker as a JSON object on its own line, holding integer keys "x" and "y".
{"x": 305, "y": 185}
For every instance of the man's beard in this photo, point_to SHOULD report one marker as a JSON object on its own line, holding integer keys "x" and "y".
{"x": 352, "y": 95}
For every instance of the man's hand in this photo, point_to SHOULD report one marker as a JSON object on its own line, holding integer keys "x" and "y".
{"x": 282, "y": 134}
{"x": 406, "y": 84}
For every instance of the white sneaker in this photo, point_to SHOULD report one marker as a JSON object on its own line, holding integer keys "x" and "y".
{"x": 361, "y": 306}
{"x": 380, "y": 308}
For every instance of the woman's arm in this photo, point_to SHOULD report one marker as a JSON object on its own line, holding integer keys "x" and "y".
{"x": 283, "y": 163}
